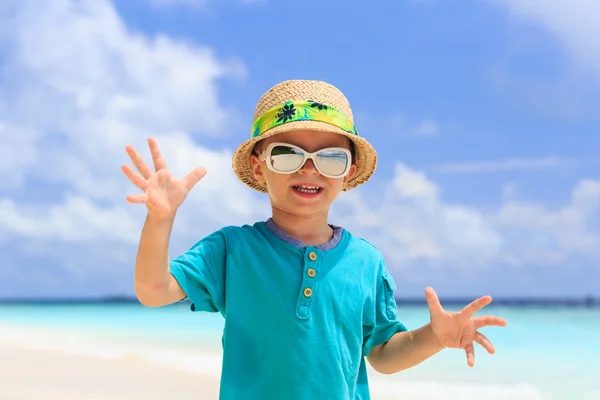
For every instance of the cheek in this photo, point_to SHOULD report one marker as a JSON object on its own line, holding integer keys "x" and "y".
{"x": 336, "y": 184}
{"x": 275, "y": 182}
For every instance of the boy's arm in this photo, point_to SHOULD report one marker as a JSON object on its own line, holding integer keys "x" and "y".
{"x": 404, "y": 350}
{"x": 456, "y": 330}
{"x": 153, "y": 283}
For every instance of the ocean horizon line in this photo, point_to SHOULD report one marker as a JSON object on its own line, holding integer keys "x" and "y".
{"x": 509, "y": 301}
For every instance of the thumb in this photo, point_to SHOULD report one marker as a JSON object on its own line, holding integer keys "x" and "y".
{"x": 194, "y": 177}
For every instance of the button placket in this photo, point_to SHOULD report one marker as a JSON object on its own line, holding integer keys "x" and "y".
{"x": 309, "y": 281}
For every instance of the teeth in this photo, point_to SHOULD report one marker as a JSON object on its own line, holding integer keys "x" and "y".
{"x": 307, "y": 189}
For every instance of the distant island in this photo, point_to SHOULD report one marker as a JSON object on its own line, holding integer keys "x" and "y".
{"x": 586, "y": 301}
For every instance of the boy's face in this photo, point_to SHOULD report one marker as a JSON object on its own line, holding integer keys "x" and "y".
{"x": 285, "y": 190}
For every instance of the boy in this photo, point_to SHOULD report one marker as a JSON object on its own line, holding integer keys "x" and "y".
{"x": 304, "y": 302}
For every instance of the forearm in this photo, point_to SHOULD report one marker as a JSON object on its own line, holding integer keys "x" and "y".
{"x": 405, "y": 350}
{"x": 151, "y": 275}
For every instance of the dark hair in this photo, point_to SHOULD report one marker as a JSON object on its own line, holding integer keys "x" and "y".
{"x": 352, "y": 150}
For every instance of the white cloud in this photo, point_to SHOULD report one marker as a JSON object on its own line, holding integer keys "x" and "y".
{"x": 415, "y": 227}
{"x": 77, "y": 86}
{"x": 567, "y": 87}
{"x": 412, "y": 184}
{"x": 535, "y": 234}
{"x": 511, "y": 164}
{"x": 575, "y": 24}
{"x": 78, "y": 219}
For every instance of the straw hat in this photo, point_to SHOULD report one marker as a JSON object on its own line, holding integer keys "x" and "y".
{"x": 304, "y": 105}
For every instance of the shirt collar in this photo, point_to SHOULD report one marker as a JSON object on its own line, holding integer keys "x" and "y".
{"x": 277, "y": 231}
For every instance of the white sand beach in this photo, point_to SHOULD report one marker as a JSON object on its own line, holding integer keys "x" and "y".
{"x": 43, "y": 358}
{"x": 27, "y": 374}
{"x": 37, "y": 374}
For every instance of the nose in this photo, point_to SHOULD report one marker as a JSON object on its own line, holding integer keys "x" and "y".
{"x": 309, "y": 168}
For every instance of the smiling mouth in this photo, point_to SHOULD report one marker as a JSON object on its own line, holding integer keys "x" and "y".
{"x": 306, "y": 189}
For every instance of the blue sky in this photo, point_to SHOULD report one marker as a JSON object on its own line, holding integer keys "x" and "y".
{"x": 484, "y": 114}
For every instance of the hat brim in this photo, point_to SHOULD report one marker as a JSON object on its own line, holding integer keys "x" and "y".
{"x": 365, "y": 157}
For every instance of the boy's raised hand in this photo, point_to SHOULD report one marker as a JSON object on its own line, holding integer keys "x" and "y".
{"x": 163, "y": 194}
{"x": 459, "y": 330}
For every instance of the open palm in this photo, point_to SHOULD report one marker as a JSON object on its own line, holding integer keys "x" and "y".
{"x": 163, "y": 194}
{"x": 459, "y": 329}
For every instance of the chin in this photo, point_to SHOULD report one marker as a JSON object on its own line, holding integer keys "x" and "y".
{"x": 301, "y": 207}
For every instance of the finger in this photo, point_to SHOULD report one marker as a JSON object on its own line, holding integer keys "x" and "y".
{"x": 138, "y": 162}
{"x": 432, "y": 301}
{"x": 157, "y": 158}
{"x": 135, "y": 178}
{"x": 484, "y": 342}
{"x": 476, "y": 305}
{"x": 480, "y": 322}
{"x": 470, "y": 350}
{"x": 137, "y": 198}
{"x": 194, "y": 177}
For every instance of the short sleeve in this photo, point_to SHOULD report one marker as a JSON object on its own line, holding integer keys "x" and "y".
{"x": 383, "y": 323}
{"x": 200, "y": 272}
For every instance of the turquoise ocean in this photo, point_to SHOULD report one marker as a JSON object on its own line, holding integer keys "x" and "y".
{"x": 544, "y": 352}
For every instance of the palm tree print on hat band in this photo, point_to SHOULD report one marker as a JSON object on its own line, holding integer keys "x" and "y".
{"x": 291, "y": 111}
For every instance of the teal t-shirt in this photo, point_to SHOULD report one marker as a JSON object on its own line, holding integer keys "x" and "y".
{"x": 299, "y": 320}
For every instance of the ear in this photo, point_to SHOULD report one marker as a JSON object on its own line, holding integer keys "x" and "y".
{"x": 350, "y": 173}
{"x": 257, "y": 169}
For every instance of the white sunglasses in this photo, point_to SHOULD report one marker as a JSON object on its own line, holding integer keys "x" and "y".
{"x": 284, "y": 158}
